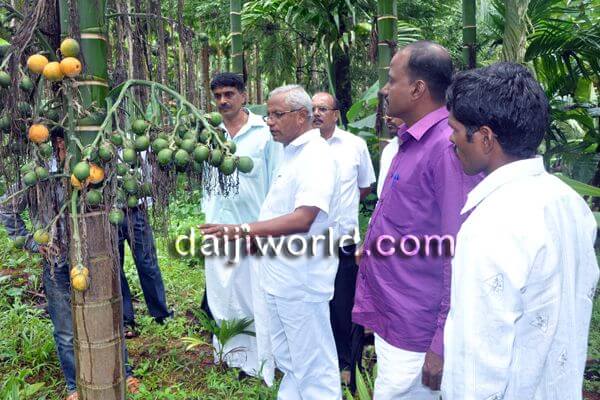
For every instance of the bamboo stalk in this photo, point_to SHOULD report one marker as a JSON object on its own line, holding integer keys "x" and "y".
{"x": 386, "y": 29}
{"x": 97, "y": 313}
{"x": 237, "y": 45}
{"x": 469, "y": 33}
{"x": 387, "y": 26}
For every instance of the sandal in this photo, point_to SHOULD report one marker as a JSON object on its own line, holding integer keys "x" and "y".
{"x": 130, "y": 332}
{"x": 73, "y": 396}
{"x": 133, "y": 385}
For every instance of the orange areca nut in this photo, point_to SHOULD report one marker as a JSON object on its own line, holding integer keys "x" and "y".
{"x": 36, "y": 63}
{"x": 52, "y": 71}
{"x": 38, "y": 133}
{"x": 96, "y": 174}
{"x": 70, "y": 67}
{"x": 76, "y": 183}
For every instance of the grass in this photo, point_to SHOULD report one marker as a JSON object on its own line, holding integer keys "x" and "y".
{"x": 29, "y": 367}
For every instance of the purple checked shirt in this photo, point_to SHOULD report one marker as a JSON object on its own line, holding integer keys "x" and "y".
{"x": 404, "y": 298}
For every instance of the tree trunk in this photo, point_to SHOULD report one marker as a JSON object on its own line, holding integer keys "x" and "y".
{"x": 469, "y": 51}
{"x": 139, "y": 53}
{"x": 120, "y": 72}
{"x": 341, "y": 80}
{"x": 181, "y": 51}
{"x": 340, "y": 68}
{"x": 299, "y": 61}
{"x": 191, "y": 80}
{"x": 97, "y": 312}
{"x": 237, "y": 45}
{"x": 386, "y": 46}
{"x": 160, "y": 39}
{"x": 515, "y": 30}
{"x": 258, "y": 77}
{"x": 206, "y": 76}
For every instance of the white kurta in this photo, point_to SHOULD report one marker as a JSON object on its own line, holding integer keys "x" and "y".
{"x": 299, "y": 287}
{"x": 355, "y": 171}
{"x": 387, "y": 155}
{"x": 523, "y": 281}
{"x": 233, "y": 291}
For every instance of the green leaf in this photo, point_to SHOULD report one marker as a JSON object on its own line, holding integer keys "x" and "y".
{"x": 367, "y": 122}
{"x": 582, "y": 188}
{"x": 371, "y": 92}
{"x": 597, "y": 216}
{"x": 260, "y": 109}
{"x": 361, "y": 387}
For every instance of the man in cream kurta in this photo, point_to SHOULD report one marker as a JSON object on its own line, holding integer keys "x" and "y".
{"x": 525, "y": 272}
{"x": 232, "y": 287}
{"x": 301, "y": 204}
{"x": 356, "y": 176}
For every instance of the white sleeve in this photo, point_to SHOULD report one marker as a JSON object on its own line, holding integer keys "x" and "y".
{"x": 315, "y": 182}
{"x": 488, "y": 274}
{"x": 366, "y": 173}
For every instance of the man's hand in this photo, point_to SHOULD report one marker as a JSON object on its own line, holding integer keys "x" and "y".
{"x": 220, "y": 230}
{"x": 432, "y": 370}
{"x": 358, "y": 254}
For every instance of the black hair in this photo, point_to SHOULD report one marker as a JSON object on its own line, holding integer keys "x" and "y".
{"x": 228, "y": 79}
{"x": 506, "y": 98}
{"x": 57, "y": 132}
{"x": 432, "y": 63}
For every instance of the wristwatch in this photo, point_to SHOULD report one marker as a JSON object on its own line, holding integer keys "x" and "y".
{"x": 245, "y": 228}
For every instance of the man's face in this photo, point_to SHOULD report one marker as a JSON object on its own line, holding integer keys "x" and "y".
{"x": 399, "y": 87}
{"x": 60, "y": 149}
{"x": 285, "y": 124}
{"x": 471, "y": 154}
{"x": 325, "y": 115}
{"x": 229, "y": 100}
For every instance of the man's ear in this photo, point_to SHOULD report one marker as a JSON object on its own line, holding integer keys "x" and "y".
{"x": 487, "y": 139}
{"x": 302, "y": 116}
{"x": 419, "y": 89}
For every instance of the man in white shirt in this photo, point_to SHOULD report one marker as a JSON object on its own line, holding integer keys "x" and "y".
{"x": 356, "y": 176}
{"x": 301, "y": 206}
{"x": 524, "y": 272}
{"x": 231, "y": 289}
{"x": 388, "y": 152}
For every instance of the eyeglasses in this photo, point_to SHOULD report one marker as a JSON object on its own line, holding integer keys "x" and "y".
{"x": 323, "y": 109}
{"x": 277, "y": 114}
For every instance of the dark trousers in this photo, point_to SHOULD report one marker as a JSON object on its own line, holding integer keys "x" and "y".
{"x": 204, "y": 305}
{"x": 349, "y": 337}
{"x": 57, "y": 287}
{"x": 138, "y": 233}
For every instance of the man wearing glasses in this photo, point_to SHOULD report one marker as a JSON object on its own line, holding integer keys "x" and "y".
{"x": 229, "y": 290}
{"x": 302, "y": 205}
{"x": 356, "y": 176}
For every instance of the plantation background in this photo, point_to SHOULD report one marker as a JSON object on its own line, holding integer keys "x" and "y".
{"x": 327, "y": 45}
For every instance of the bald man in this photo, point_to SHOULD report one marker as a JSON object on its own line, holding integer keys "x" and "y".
{"x": 403, "y": 289}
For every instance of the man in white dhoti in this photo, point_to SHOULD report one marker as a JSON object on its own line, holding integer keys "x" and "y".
{"x": 230, "y": 285}
{"x": 524, "y": 273}
{"x": 301, "y": 205}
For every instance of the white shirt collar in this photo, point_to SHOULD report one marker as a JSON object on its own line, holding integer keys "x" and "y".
{"x": 503, "y": 175}
{"x": 305, "y": 138}
{"x": 337, "y": 132}
{"x": 254, "y": 120}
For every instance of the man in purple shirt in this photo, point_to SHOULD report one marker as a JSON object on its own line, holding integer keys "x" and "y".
{"x": 403, "y": 287}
